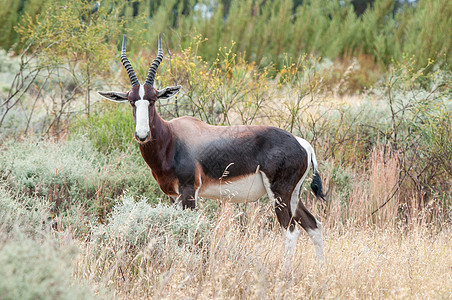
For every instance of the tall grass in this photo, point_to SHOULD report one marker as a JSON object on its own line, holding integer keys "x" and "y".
{"x": 265, "y": 30}
{"x": 363, "y": 199}
{"x": 246, "y": 260}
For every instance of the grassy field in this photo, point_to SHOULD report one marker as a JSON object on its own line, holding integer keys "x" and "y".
{"x": 147, "y": 251}
{"x": 56, "y": 212}
{"x": 247, "y": 262}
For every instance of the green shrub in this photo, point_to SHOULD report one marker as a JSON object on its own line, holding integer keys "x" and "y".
{"x": 33, "y": 264}
{"x": 110, "y": 129}
{"x": 31, "y": 214}
{"x": 340, "y": 181}
{"x": 54, "y": 170}
{"x": 38, "y": 270}
{"x": 135, "y": 224}
{"x": 74, "y": 174}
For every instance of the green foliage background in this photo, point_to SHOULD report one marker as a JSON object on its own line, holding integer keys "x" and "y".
{"x": 263, "y": 30}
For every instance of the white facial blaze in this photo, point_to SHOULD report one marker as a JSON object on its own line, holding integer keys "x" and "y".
{"x": 142, "y": 116}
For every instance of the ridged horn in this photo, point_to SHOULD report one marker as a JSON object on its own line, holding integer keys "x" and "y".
{"x": 127, "y": 65}
{"x": 155, "y": 64}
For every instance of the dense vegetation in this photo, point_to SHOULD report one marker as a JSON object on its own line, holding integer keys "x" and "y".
{"x": 262, "y": 30}
{"x": 369, "y": 88}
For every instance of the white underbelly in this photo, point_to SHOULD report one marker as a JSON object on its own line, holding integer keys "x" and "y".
{"x": 245, "y": 189}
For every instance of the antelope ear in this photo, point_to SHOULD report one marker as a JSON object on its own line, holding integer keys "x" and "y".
{"x": 168, "y": 92}
{"x": 114, "y": 96}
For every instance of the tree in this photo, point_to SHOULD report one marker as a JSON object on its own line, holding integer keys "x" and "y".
{"x": 69, "y": 47}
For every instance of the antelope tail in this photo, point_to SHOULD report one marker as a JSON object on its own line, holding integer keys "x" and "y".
{"x": 316, "y": 184}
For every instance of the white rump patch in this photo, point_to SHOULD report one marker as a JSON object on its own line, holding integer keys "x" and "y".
{"x": 311, "y": 155}
{"x": 246, "y": 189}
{"x": 305, "y": 144}
{"x": 296, "y": 192}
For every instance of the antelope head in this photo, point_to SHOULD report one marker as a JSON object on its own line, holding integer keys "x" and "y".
{"x": 142, "y": 97}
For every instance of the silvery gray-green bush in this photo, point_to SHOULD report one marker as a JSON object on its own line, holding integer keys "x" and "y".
{"x": 134, "y": 224}
{"x": 73, "y": 171}
{"x": 30, "y": 214}
{"x": 33, "y": 265}
{"x": 37, "y": 166}
{"x": 33, "y": 269}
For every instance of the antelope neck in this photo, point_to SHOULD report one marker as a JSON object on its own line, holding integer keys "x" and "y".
{"x": 157, "y": 152}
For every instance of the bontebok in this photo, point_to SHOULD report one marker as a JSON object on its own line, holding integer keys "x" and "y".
{"x": 189, "y": 158}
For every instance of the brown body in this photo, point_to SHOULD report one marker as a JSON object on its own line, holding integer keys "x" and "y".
{"x": 187, "y": 155}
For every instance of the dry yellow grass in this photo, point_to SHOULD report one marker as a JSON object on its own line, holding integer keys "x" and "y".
{"x": 247, "y": 262}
